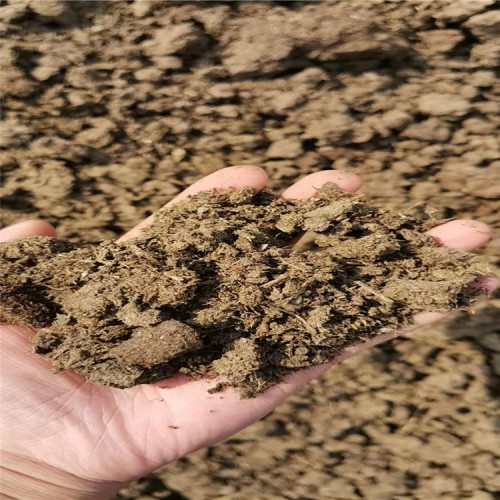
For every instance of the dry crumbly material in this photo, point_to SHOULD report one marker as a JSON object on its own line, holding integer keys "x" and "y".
{"x": 242, "y": 285}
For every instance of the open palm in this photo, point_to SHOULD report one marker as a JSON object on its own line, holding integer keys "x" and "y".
{"x": 100, "y": 437}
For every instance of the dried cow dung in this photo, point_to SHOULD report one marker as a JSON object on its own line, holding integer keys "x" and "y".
{"x": 243, "y": 285}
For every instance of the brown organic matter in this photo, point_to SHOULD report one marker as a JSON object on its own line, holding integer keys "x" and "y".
{"x": 241, "y": 285}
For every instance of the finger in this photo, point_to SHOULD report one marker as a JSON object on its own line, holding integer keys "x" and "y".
{"x": 309, "y": 185}
{"x": 462, "y": 234}
{"x": 231, "y": 177}
{"x": 236, "y": 177}
{"x": 486, "y": 283}
{"x": 26, "y": 228}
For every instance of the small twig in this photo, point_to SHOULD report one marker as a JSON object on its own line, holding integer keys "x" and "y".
{"x": 305, "y": 242}
{"x": 296, "y": 267}
{"x": 307, "y": 325}
{"x": 369, "y": 289}
{"x": 274, "y": 281}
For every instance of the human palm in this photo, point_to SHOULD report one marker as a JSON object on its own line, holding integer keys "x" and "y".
{"x": 99, "y": 438}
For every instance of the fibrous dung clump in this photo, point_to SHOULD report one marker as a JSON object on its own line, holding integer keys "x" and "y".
{"x": 242, "y": 286}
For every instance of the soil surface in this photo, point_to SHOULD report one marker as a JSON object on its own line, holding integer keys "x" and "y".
{"x": 111, "y": 109}
{"x": 241, "y": 285}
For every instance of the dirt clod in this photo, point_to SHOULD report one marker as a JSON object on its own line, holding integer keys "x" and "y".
{"x": 243, "y": 285}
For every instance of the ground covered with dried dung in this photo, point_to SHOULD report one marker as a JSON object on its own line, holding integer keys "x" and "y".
{"x": 111, "y": 109}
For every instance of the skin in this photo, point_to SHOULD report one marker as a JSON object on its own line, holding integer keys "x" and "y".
{"x": 64, "y": 438}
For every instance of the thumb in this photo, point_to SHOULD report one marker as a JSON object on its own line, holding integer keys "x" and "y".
{"x": 26, "y": 228}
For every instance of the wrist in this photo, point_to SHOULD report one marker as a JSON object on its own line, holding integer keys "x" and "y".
{"x": 25, "y": 479}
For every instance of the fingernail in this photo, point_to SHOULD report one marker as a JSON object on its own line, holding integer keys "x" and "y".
{"x": 462, "y": 234}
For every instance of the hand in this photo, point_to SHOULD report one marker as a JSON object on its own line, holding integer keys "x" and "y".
{"x": 65, "y": 438}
